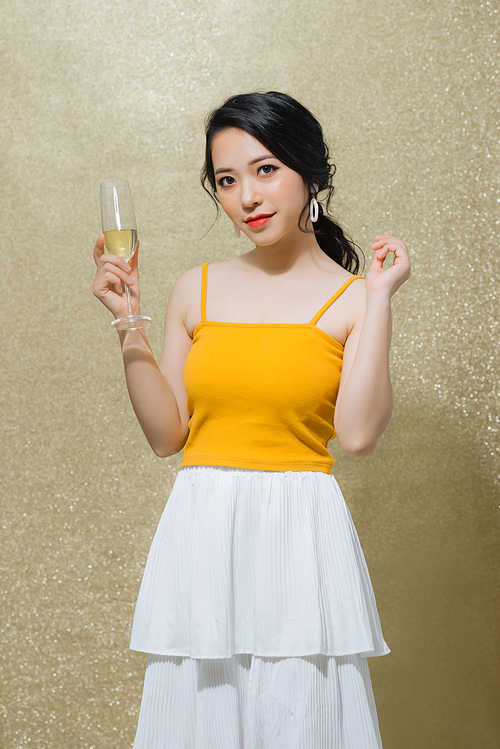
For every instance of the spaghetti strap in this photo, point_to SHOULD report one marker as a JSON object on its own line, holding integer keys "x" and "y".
{"x": 204, "y": 291}
{"x": 332, "y": 299}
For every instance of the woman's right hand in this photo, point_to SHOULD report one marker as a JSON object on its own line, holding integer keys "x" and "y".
{"x": 111, "y": 275}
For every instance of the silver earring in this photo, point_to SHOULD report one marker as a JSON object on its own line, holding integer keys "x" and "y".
{"x": 237, "y": 231}
{"x": 313, "y": 206}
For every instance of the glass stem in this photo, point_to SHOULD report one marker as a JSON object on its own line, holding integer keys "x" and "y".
{"x": 130, "y": 309}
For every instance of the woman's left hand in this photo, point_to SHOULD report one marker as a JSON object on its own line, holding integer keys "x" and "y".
{"x": 388, "y": 280}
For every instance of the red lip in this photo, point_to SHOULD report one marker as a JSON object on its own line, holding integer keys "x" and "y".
{"x": 260, "y": 216}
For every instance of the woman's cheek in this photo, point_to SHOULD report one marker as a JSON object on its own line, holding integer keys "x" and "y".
{"x": 228, "y": 205}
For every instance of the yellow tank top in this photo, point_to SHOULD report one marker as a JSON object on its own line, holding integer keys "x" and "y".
{"x": 262, "y": 395}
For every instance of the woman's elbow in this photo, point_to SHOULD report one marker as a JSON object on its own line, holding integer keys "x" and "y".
{"x": 163, "y": 452}
{"x": 362, "y": 440}
{"x": 165, "y": 449}
{"x": 357, "y": 446}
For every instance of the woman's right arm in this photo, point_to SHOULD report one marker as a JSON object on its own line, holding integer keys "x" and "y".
{"x": 156, "y": 391}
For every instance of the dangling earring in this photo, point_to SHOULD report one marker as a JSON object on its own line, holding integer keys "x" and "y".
{"x": 237, "y": 231}
{"x": 313, "y": 206}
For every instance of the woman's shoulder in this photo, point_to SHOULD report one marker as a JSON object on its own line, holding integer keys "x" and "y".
{"x": 193, "y": 275}
{"x": 348, "y": 291}
{"x": 189, "y": 278}
{"x": 186, "y": 294}
{"x": 336, "y": 277}
{"x": 353, "y": 287}
{"x": 189, "y": 282}
{"x": 355, "y": 281}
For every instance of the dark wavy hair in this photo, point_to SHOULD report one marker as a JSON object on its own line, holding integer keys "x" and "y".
{"x": 295, "y": 137}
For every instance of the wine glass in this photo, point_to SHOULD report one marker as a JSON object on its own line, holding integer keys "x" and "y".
{"x": 120, "y": 232}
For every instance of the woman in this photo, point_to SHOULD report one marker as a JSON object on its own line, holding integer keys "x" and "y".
{"x": 256, "y": 607}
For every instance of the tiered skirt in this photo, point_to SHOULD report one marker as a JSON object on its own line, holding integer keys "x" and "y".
{"x": 258, "y": 615}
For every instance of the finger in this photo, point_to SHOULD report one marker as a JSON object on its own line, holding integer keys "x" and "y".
{"x": 380, "y": 256}
{"x": 103, "y": 286}
{"x": 400, "y": 258}
{"x": 378, "y": 259}
{"x": 98, "y": 247}
{"x": 116, "y": 262}
{"x": 399, "y": 248}
{"x": 122, "y": 275}
{"x": 391, "y": 244}
{"x": 111, "y": 274}
{"x": 380, "y": 240}
{"x": 112, "y": 279}
{"x": 384, "y": 254}
{"x": 386, "y": 237}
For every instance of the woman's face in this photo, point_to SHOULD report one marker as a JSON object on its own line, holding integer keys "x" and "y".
{"x": 261, "y": 195}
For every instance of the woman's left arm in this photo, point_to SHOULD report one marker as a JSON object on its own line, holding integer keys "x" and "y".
{"x": 364, "y": 402}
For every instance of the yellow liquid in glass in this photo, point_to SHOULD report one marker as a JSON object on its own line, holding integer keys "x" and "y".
{"x": 121, "y": 242}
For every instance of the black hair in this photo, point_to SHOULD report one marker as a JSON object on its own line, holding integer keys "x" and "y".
{"x": 295, "y": 137}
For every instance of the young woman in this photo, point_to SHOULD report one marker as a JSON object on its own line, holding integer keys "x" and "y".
{"x": 256, "y": 607}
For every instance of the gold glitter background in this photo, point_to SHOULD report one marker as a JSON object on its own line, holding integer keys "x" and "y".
{"x": 408, "y": 95}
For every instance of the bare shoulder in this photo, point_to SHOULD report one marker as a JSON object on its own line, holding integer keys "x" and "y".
{"x": 185, "y": 298}
{"x": 356, "y": 287}
{"x": 189, "y": 282}
{"x": 186, "y": 292}
{"x": 354, "y": 299}
{"x": 353, "y": 286}
{"x": 347, "y": 313}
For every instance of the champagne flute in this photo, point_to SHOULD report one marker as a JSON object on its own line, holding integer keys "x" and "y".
{"x": 120, "y": 232}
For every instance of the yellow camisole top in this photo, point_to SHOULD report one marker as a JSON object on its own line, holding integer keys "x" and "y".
{"x": 262, "y": 395}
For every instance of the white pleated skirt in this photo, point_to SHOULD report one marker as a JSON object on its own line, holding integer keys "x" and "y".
{"x": 258, "y": 615}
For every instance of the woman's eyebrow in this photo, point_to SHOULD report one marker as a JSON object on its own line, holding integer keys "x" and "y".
{"x": 254, "y": 161}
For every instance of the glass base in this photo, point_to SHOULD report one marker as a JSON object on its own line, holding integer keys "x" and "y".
{"x": 131, "y": 322}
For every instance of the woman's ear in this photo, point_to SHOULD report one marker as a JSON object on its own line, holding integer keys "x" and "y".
{"x": 311, "y": 187}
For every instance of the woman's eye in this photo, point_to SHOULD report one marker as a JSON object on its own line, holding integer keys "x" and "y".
{"x": 223, "y": 183}
{"x": 268, "y": 168}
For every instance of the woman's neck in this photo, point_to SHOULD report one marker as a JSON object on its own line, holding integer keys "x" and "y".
{"x": 284, "y": 255}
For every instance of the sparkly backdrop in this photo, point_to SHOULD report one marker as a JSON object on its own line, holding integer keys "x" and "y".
{"x": 408, "y": 95}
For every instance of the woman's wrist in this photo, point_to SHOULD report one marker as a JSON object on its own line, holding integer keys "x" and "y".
{"x": 134, "y": 338}
{"x": 135, "y": 310}
{"x": 378, "y": 300}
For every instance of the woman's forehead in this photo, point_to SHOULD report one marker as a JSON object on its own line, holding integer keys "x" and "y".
{"x": 236, "y": 145}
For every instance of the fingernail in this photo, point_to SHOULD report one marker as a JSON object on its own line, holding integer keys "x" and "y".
{"x": 127, "y": 267}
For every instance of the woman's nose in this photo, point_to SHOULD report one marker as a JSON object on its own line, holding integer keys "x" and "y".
{"x": 250, "y": 195}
